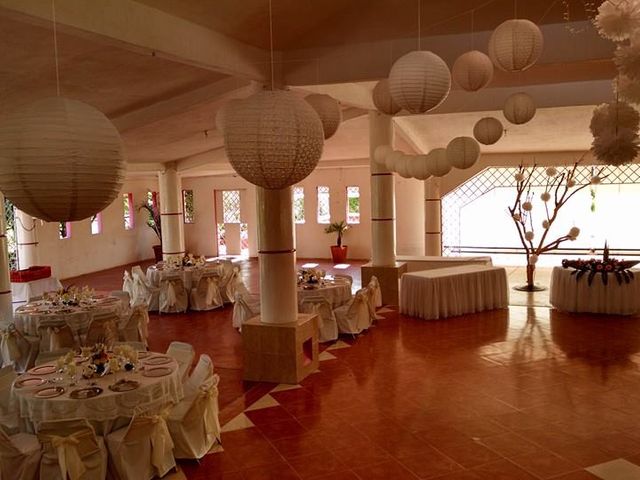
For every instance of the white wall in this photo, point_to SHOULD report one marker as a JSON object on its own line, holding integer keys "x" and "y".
{"x": 84, "y": 253}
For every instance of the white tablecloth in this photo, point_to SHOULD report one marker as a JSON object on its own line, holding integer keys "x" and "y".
{"x": 570, "y": 295}
{"x": 189, "y": 275}
{"x": 447, "y": 292}
{"x": 337, "y": 293}
{"x": 22, "y": 292}
{"x": 102, "y": 411}
{"x": 416, "y": 263}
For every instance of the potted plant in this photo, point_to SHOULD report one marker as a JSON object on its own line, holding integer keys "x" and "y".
{"x": 154, "y": 223}
{"x": 338, "y": 251}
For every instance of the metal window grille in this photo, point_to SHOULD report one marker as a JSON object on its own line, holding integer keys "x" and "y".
{"x": 231, "y": 206}
{"x": 324, "y": 208}
{"x": 298, "y": 204}
{"x": 353, "y": 204}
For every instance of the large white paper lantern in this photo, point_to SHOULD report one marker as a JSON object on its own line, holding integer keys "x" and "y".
{"x": 438, "y": 163}
{"x": 472, "y": 71}
{"x": 419, "y": 167}
{"x": 273, "y": 139}
{"x": 463, "y": 152}
{"x": 519, "y": 108}
{"x": 61, "y": 160}
{"x": 382, "y": 98}
{"x": 488, "y": 130}
{"x": 419, "y": 81}
{"x": 515, "y": 45}
{"x": 328, "y": 109}
{"x": 223, "y": 111}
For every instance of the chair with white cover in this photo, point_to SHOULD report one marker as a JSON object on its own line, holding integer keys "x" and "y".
{"x": 343, "y": 277}
{"x": 194, "y": 422}
{"x": 173, "y": 295}
{"x": 328, "y": 330}
{"x": 206, "y": 294}
{"x": 229, "y": 288}
{"x": 376, "y": 292}
{"x": 71, "y": 449}
{"x": 136, "y": 328}
{"x": 18, "y": 349}
{"x": 354, "y": 317}
{"x": 142, "y": 450}
{"x": 127, "y": 284}
{"x": 202, "y": 373}
{"x": 183, "y": 353}
{"x": 124, "y": 297}
{"x": 8, "y": 411}
{"x": 19, "y": 456}
{"x": 102, "y": 329}
{"x": 244, "y": 308}
{"x": 143, "y": 293}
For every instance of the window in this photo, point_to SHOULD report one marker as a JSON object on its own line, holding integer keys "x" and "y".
{"x": 96, "y": 224}
{"x": 64, "y": 230}
{"x": 129, "y": 215}
{"x": 353, "y": 204}
{"x": 12, "y": 244}
{"x": 298, "y": 204}
{"x": 152, "y": 198}
{"x": 187, "y": 205}
{"x": 231, "y": 206}
{"x": 324, "y": 209}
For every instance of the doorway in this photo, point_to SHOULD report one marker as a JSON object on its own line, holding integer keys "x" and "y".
{"x": 232, "y": 232}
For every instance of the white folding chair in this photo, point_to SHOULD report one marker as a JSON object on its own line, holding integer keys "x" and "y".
{"x": 244, "y": 308}
{"x": 183, "y": 353}
{"x": 173, "y": 295}
{"x": 206, "y": 294}
{"x": 194, "y": 423}
{"x": 71, "y": 449}
{"x": 354, "y": 317}
{"x": 136, "y": 328}
{"x": 143, "y": 293}
{"x": 8, "y": 411}
{"x": 328, "y": 330}
{"x": 142, "y": 450}
{"x": 19, "y": 456}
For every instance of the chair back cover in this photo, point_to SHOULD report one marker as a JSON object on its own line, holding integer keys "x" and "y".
{"x": 136, "y": 329}
{"x": 102, "y": 329}
{"x": 242, "y": 311}
{"x": 153, "y": 429}
{"x": 60, "y": 334}
{"x": 343, "y": 277}
{"x": 204, "y": 409}
{"x": 19, "y": 460}
{"x": 127, "y": 283}
{"x": 8, "y": 414}
{"x": 141, "y": 292}
{"x": 124, "y": 297}
{"x": 230, "y": 286}
{"x": 328, "y": 327}
{"x": 374, "y": 286}
{"x": 173, "y": 296}
{"x": 206, "y": 295}
{"x": 202, "y": 373}
{"x": 9, "y": 347}
{"x": 183, "y": 353}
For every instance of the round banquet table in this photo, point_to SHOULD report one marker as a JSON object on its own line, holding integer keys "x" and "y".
{"x": 30, "y": 317}
{"x": 189, "y": 275}
{"x": 336, "y": 293}
{"x": 571, "y": 295}
{"x": 107, "y": 411}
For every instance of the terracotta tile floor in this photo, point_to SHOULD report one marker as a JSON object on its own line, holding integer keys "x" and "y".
{"x": 524, "y": 393}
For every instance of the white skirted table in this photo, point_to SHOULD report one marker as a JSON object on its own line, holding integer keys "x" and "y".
{"x": 336, "y": 293}
{"x": 571, "y": 295}
{"x": 109, "y": 409}
{"x": 22, "y": 292}
{"x": 447, "y": 292}
{"x": 189, "y": 275}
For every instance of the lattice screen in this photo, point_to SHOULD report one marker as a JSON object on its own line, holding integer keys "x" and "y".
{"x": 10, "y": 221}
{"x": 231, "y": 206}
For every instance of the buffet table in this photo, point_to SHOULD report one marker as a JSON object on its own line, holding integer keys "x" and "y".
{"x": 571, "y": 295}
{"x": 158, "y": 384}
{"x": 448, "y": 292}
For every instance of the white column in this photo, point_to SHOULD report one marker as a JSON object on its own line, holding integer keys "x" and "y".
{"x": 277, "y": 257}
{"x": 383, "y": 206}
{"x": 6, "y": 308}
{"x": 27, "y": 239}
{"x": 432, "y": 217}
{"x": 170, "y": 187}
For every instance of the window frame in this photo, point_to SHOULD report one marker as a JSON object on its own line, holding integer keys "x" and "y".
{"x": 320, "y": 220}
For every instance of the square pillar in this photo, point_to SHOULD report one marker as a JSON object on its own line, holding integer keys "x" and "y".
{"x": 389, "y": 278}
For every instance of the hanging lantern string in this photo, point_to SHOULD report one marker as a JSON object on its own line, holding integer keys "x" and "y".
{"x": 549, "y": 8}
{"x": 55, "y": 45}
{"x": 460, "y": 14}
{"x": 271, "y": 44}
{"x": 515, "y": 9}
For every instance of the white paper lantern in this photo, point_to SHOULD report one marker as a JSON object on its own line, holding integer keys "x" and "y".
{"x": 273, "y": 139}
{"x": 419, "y": 81}
{"x": 328, "y": 109}
{"x": 380, "y": 153}
{"x": 515, "y": 45}
{"x": 463, "y": 152}
{"x": 488, "y": 130}
{"x": 223, "y": 111}
{"x": 419, "y": 167}
{"x": 438, "y": 164}
{"x": 391, "y": 159}
{"x": 472, "y": 71}
{"x": 519, "y": 108}
{"x": 382, "y": 98}
{"x": 60, "y": 160}
{"x": 402, "y": 166}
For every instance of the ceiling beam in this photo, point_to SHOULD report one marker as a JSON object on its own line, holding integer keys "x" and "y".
{"x": 136, "y": 27}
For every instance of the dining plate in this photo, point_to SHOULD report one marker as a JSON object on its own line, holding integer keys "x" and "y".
{"x": 157, "y": 360}
{"x": 157, "y": 371}
{"x": 29, "y": 382}
{"x": 124, "y": 386}
{"x": 49, "y": 392}
{"x": 42, "y": 370}
{"x": 84, "y": 393}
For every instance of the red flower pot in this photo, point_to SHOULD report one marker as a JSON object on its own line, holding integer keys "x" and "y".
{"x": 157, "y": 252}
{"x": 339, "y": 254}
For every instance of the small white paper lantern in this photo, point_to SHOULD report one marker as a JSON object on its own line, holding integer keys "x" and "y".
{"x": 223, "y": 111}
{"x": 515, "y": 45}
{"x": 402, "y": 166}
{"x": 391, "y": 159}
{"x": 438, "y": 164}
{"x": 273, "y": 139}
{"x": 472, "y": 71}
{"x": 519, "y": 108}
{"x": 418, "y": 167}
{"x": 381, "y": 152}
{"x": 463, "y": 152}
{"x": 61, "y": 160}
{"x": 488, "y": 130}
{"x": 382, "y": 98}
{"x": 328, "y": 109}
{"x": 419, "y": 81}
